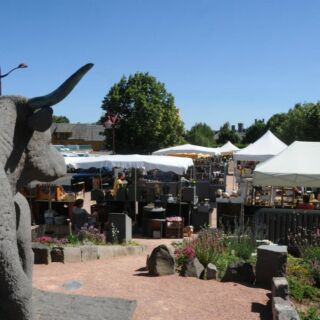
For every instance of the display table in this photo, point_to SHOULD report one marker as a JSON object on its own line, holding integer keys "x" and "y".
{"x": 63, "y": 208}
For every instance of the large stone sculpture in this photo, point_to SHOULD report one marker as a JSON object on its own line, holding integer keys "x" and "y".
{"x": 26, "y": 154}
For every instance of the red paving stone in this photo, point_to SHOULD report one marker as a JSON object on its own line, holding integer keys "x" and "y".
{"x": 158, "y": 298}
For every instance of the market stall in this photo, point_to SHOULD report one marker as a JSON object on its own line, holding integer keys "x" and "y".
{"x": 296, "y": 169}
{"x": 262, "y": 149}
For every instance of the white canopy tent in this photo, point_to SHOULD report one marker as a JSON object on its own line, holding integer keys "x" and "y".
{"x": 228, "y": 149}
{"x": 264, "y": 148}
{"x": 297, "y": 165}
{"x": 187, "y": 148}
{"x": 146, "y": 162}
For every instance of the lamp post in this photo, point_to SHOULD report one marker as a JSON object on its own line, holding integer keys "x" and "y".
{"x": 20, "y": 66}
{"x": 111, "y": 121}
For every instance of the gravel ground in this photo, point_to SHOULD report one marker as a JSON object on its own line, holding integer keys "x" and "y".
{"x": 158, "y": 298}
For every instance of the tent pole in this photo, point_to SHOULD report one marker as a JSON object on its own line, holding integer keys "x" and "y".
{"x": 135, "y": 194}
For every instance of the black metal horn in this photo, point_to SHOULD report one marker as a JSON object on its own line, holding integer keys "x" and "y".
{"x": 59, "y": 94}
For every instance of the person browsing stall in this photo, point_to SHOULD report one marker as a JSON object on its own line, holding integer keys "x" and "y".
{"x": 118, "y": 183}
{"x": 80, "y": 216}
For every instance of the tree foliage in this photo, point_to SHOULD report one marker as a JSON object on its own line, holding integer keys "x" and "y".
{"x": 60, "y": 119}
{"x": 300, "y": 123}
{"x": 226, "y": 134}
{"x": 148, "y": 117}
{"x": 255, "y": 131}
{"x": 201, "y": 134}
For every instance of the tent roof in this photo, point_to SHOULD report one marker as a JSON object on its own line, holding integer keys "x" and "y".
{"x": 264, "y": 148}
{"x": 187, "y": 148}
{"x": 147, "y": 162}
{"x": 228, "y": 148}
{"x": 297, "y": 165}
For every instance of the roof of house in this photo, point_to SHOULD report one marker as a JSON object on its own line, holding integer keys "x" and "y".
{"x": 80, "y": 131}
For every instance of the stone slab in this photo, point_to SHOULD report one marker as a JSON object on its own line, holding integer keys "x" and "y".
{"x": 59, "y": 306}
{"x": 72, "y": 254}
{"x": 89, "y": 253}
{"x": 271, "y": 262}
{"x": 283, "y": 310}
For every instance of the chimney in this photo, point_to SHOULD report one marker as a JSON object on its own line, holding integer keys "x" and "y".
{"x": 240, "y": 127}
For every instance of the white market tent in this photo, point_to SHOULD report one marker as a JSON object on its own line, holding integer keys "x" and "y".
{"x": 228, "y": 148}
{"x": 264, "y": 148}
{"x": 146, "y": 162}
{"x": 187, "y": 148}
{"x": 297, "y": 165}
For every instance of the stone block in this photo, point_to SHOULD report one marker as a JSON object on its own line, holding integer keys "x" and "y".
{"x": 104, "y": 252}
{"x": 271, "y": 262}
{"x": 41, "y": 253}
{"x": 118, "y": 250}
{"x": 72, "y": 254}
{"x": 133, "y": 250}
{"x": 192, "y": 268}
{"x": 89, "y": 253}
{"x": 280, "y": 288}
{"x": 57, "y": 254}
{"x": 283, "y": 310}
{"x": 212, "y": 272}
{"x": 239, "y": 272}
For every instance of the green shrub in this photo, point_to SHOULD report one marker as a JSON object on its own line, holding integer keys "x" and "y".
{"x": 300, "y": 269}
{"x": 242, "y": 246}
{"x": 300, "y": 290}
{"x": 311, "y": 314}
{"x": 312, "y": 253}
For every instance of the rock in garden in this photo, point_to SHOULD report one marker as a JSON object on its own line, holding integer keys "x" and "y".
{"x": 192, "y": 268}
{"x": 161, "y": 262}
{"x": 271, "y": 262}
{"x": 239, "y": 272}
{"x": 41, "y": 253}
{"x": 212, "y": 272}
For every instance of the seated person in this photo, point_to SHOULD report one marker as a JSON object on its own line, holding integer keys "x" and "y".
{"x": 79, "y": 215}
{"x": 306, "y": 203}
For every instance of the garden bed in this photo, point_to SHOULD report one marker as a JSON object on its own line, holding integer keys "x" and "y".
{"x": 45, "y": 254}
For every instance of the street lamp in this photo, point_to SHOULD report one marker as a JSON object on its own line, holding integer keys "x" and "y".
{"x": 20, "y": 66}
{"x": 111, "y": 121}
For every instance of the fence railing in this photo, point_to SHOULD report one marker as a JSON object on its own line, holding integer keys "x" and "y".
{"x": 276, "y": 224}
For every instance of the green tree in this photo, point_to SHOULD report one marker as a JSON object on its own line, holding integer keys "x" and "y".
{"x": 201, "y": 134}
{"x": 147, "y": 116}
{"x": 60, "y": 119}
{"x": 255, "y": 131}
{"x": 275, "y": 124}
{"x": 226, "y": 134}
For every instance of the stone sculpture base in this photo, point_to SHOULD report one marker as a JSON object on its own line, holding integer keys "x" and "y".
{"x": 59, "y": 306}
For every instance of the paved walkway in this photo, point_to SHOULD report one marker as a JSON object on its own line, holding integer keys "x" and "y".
{"x": 158, "y": 298}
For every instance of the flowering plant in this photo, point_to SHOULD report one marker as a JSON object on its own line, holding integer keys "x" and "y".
{"x": 90, "y": 234}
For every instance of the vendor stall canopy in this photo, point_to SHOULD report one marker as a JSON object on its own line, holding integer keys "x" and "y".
{"x": 187, "y": 149}
{"x": 137, "y": 161}
{"x": 264, "y": 148}
{"x": 297, "y": 165}
{"x": 227, "y": 149}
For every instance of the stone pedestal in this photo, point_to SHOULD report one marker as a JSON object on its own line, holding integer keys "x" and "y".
{"x": 271, "y": 262}
{"x": 123, "y": 223}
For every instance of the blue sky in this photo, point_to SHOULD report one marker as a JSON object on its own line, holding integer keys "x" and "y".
{"x": 222, "y": 60}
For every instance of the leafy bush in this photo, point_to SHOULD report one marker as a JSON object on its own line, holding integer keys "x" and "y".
{"x": 209, "y": 245}
{"x": 311, "y": 314}
{"x": 300, "y": 290}
{"x": 300, "y": 269}
{"x": 242, "y": 246}
{"x": 73, "y": 239}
